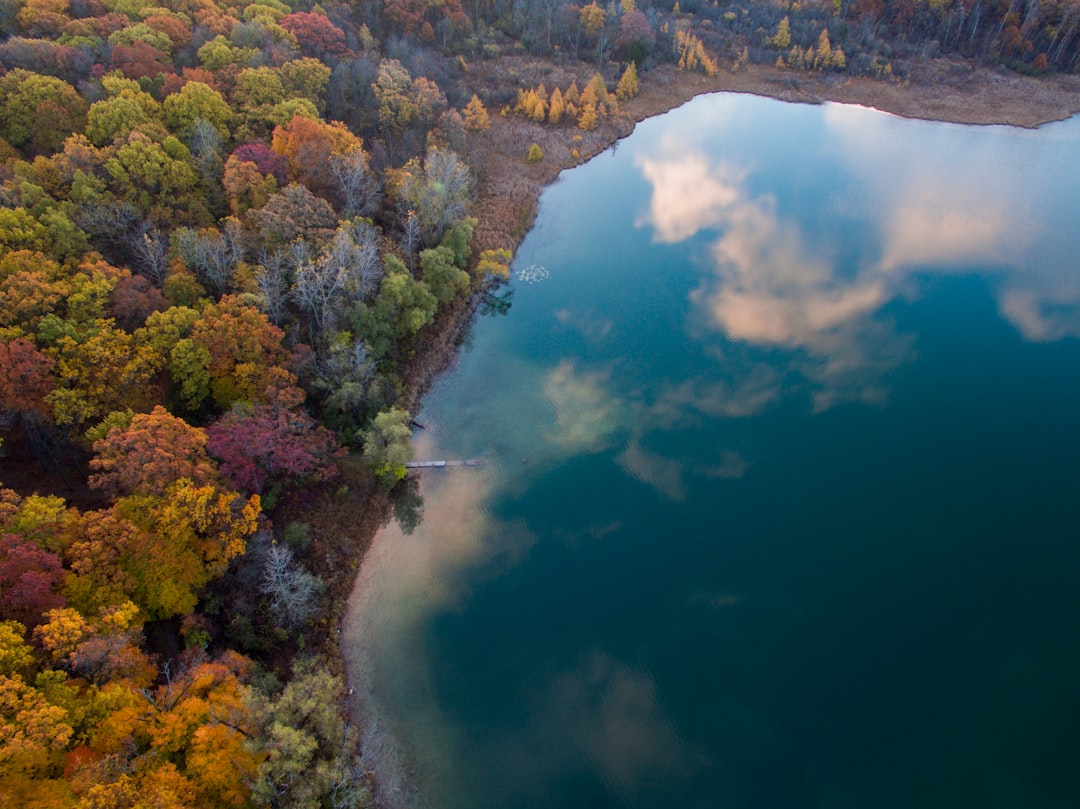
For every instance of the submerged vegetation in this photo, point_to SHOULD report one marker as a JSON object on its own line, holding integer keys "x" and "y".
{"x": 228, "y": 235}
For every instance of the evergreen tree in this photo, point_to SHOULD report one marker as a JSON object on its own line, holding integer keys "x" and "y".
{"x": 476, "y": 116}
{"x": 782, "y": 38}
{"x": 557, "y": 108}
{"x": 628, "y": 84}
{"x": 823, "y": 59}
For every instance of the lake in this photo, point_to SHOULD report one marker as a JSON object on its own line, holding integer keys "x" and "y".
{"x": 780, "y": 497}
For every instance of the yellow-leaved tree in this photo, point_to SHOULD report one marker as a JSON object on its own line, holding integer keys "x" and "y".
{"x": 628, "y": 84}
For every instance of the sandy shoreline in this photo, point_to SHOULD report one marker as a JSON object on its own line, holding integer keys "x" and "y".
{"x": 382, "y": 754}
{"x": 509, "y": 191}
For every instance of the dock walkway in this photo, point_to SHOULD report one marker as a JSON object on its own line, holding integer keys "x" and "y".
{"x": 442, "y": 464}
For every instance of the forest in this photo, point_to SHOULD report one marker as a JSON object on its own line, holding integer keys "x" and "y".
{"x": 228, "y": 234}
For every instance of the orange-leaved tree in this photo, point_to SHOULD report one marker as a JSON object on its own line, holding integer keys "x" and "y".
{"x": 158, "y": 551}
{"x": 154, "y": 451}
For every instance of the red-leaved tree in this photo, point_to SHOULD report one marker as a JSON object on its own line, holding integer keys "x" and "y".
{"x": 261, "y": 444}
{"x": 29, "y": 579}
{"x": 318, "y": 37}
{"x": 25, "y": 377}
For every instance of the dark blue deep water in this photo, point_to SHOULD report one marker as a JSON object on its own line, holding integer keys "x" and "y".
{"x": 781, "y": 492}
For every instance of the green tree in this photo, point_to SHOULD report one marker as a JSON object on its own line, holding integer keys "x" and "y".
{"x": 20, "y": 230}
{"x": 150, "y": 174}
{"x": 126, "y": 110}
{"x": 258, "y": 90}
{"x": 283, "y": 112}
{"x": 445, "y": 280}
{"x": 402, "y": 307}
{"x": 311, "y": 759}
{"x": 141, "y": 32}
{"x": 197, "y": 101}
{"x": 163, "y": 330}
{"x": 39, "y": 112}
{"x": 189, "y": 370}
{"x": 306, "y": 78}
{"x": 219, "y": 53}
{"x": 387, "y": 445}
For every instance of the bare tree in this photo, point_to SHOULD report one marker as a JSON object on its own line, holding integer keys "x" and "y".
{"x": 272, "y": 276}
{"x": 348, "y": 785}
{"x": 212, "y": 254}
{"x": 438, "y": 193}
{"x": 357, "y": 183}
{"x": 410, "y": 238}
{"x": 111, "y": 225}
{"x": 151, "y": 254}
{"x": 292, "y": 590}
{"x": 206, "y": 146}
{"x": 355, "y": 250}
{"x": 346, "y": 272}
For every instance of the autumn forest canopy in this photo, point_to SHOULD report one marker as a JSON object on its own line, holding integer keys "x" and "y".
{"x": 226, "y": 233}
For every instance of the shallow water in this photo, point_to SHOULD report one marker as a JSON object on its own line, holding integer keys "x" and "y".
{"x": 779, "y": 506}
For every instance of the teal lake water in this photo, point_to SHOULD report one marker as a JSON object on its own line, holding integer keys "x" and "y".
{"x": 781, "y": 501}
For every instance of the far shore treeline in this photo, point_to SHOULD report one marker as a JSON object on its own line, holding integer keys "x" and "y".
{"x": 234, "y": 239}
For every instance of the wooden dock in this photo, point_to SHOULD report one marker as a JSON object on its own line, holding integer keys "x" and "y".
{"x": 442, "y": 464}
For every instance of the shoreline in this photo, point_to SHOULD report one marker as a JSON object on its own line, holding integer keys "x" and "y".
{"x": 510, "y": 188}
{"x": 944, "y": 90}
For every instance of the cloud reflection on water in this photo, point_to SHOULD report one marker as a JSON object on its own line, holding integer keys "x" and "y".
{"x": 619, "y": 725}
{"x": 929, "y": 210}
{"x": 586, "y": 414}
{"x": 621, "y": 732}
{"x": 680, "y": 404}
{"x": 690, "y": 193}
{"x": 663, "y": 474}
{"x": 768, "y": 286}
{"x": 1044, "y": 314}
{"x": 969, "y": 203}
{"x": 600, "y": 719}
